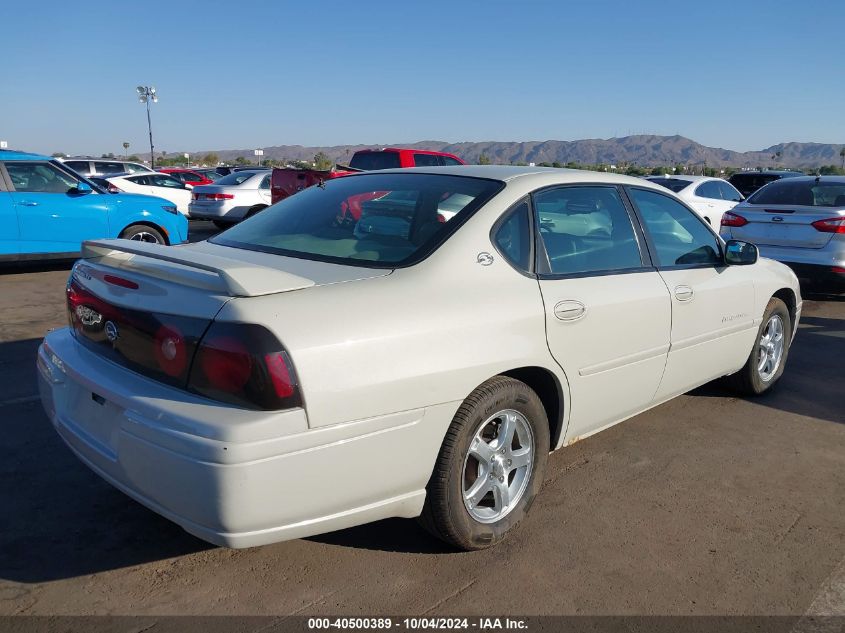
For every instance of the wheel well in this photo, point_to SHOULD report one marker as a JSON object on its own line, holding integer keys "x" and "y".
{"x": 788, "y": 297}
{"x": 152, "y": 226}
{"x": 547, "y": 387}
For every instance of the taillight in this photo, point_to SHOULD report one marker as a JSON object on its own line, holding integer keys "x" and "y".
{"x": 114, "y": 188}
{"x": 244, "y": 365}
{"x": 733, "y": 219}
{"x": 217, "y": 196}
{"x": 830, "y": 225}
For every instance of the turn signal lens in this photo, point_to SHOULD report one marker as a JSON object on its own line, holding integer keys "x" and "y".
{"x": 830, "y": 225}
{"x": 733, "y": 219}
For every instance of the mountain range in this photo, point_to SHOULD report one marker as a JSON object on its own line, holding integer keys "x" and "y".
{"x": 643, "y": 150}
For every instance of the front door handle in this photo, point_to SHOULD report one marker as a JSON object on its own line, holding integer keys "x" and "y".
{"x": 28, "y": 203}
{"x": 683, "y": 293}
{"x": 570, "y": 310}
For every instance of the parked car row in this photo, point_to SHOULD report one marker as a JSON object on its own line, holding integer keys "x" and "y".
{"x": 48, "y": 210}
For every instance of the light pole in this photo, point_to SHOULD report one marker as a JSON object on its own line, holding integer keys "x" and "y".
{"x": 125, "y": 150}
{"x": 145, "y": 95}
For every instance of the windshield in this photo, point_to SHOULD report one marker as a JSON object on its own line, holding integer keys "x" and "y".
{"x": 370, "y": 161}
{"x": 374, "y": 220}
{"x": 673, "y": 184}
{"x": 235, "y": 178}
{"x": 809, "y": 193}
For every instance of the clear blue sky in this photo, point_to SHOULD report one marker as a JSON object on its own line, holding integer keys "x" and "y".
{"x": 740, "y": 75}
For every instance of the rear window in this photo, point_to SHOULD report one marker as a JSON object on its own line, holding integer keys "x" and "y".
{"x": 810, "y": 193}
{"x": 235, "y": 178}
{"x": 672, "y": 184}
{"x": 373, "y": 220}
{"x": 371, "y": 161}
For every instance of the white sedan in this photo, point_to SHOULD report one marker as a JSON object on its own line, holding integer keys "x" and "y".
{"x": 709, "y": 197}
{"x": 299, "y": 374}
{"x": 156, "y": 184}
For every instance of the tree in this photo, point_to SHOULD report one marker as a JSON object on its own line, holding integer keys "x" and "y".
{"x": 322, "y": 161}
{"x": 210, "y": 159}
{"x": 134, "y": 158}
{"x": 842, "y": 156}
{"x": 240, "y": 160}
{"x": 58, "y": 154}
{"x": 658, "y": 171}
{"x": 483, "y": 159}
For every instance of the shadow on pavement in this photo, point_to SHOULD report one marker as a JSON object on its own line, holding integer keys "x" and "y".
{"x": 390, "y": 535}
{"x": 59, "y": 519}
{"x": 809, "y": 385}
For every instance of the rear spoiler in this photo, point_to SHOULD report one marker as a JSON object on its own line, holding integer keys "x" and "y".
{"x": 235, "y": 277}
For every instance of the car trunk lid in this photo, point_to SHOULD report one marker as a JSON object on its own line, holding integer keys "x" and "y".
{"x": 784, "y": 225}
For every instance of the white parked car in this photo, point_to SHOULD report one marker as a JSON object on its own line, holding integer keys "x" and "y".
{"x": 297, "y": 374}
{"x": 709, "y": 197}
{"x": 156, "y": 184}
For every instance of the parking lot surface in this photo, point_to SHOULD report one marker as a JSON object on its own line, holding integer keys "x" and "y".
{"x": 708, "y": 504}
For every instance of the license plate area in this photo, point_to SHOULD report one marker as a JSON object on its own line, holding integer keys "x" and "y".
{"x": 95, "y": 418}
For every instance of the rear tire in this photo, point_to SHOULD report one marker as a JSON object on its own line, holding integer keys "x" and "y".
{"x": 767, "y": 359}
{"x": 143, "y": 233}
{"x": 490, "y": 467}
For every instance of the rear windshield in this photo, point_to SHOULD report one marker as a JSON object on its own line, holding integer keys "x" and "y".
{"x": 373, "y": 220}
{"x": 810, "y": 193}
{"x": 673, "y": 184}
{"x": 370, "y": 161}
{"x": 235, "y": 178}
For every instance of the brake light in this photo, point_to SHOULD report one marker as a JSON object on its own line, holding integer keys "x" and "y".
{"x": 733, "y": 219}
{"x": 214, "y": 196}
{"x": 245, "y": 365}
{"x": 120, "y": 281}
{"x": 830, "y": 225}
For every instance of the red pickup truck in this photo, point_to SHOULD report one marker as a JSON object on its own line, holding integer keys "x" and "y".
{"x": 287, "y": 181}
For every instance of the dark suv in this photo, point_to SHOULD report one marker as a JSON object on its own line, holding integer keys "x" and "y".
{"x": 747, "y": 182}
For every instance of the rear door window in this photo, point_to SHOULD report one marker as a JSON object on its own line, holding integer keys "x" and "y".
{"x": 585, "y": 230}
{"x": 426, "y": 160}
{"x": 448, "y": 160}
{"x": 80, "y": 166}
{"x": 729, "y": 192}
{"x": 709, "y": 189}
{"x": 370, "y": 161}
{"x": 513, "y": 236}
{"x": 108, "y": 169}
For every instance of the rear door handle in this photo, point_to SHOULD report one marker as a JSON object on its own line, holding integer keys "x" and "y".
{"x": 28, "y": 203}
{"x": 570, "y": 310}
{"x": 683, "y": 293}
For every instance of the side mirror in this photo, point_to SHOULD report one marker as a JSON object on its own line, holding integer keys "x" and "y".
{"x": 83, "y": 188}
{"x": 739, "y": 253}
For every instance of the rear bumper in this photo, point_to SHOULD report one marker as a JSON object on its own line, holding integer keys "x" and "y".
{"x": 817, "y": 276}
{"x": 217, "y": 211}
{"x": 229, "y": 476}
{"x": 818, "y": 267}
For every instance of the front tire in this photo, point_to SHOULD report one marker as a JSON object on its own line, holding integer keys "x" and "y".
{"x": 143, "y": 233}
{"x": 768, "y": 356}
{"x": 490, "y": 467}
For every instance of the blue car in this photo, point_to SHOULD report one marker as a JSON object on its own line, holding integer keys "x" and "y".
{"x": 48, "y": 210}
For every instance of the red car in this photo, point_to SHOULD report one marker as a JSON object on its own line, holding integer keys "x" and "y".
{"x": 188, "y": 176}
{"x": 286, "y": 182}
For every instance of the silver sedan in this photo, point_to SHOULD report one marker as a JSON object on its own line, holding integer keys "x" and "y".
{"x": 232, "y": 198}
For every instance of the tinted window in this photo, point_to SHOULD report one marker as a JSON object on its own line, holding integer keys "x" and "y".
{"x": 673, "y": 184}
{"x": 448, "y": 160}
{"x": 108, "y": 169}
{"x": 804, "y": 193}
{"x": 163, "y": 180}
{"x": 235, "y": 178}
{"x": 39, "y": 178}
{"x": 265, "y": 182}
{"x": 729, "y": 193}
{"x": 749, "y": 183}
{"x": 586, "y": 229}
{"x": 134, "y": 168}
{"x": 140, "y": 180}
{"x": 709, "y": 189}
{"x": 513, "y": 237}
{"x": 369, "y": 220}
{"x": 80, "y": 166}
{"x": 426, "y": 160}
{"x": 370, "y": 161}
{"x": 678, "y": 235}
{"x": 189, "y": 177}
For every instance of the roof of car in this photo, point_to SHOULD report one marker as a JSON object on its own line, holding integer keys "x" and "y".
{"x": 770, "y": 172}
{"x": 9, "y": 154}
{"x": 683, "y": 177}
{"x": 510, "y": 172}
